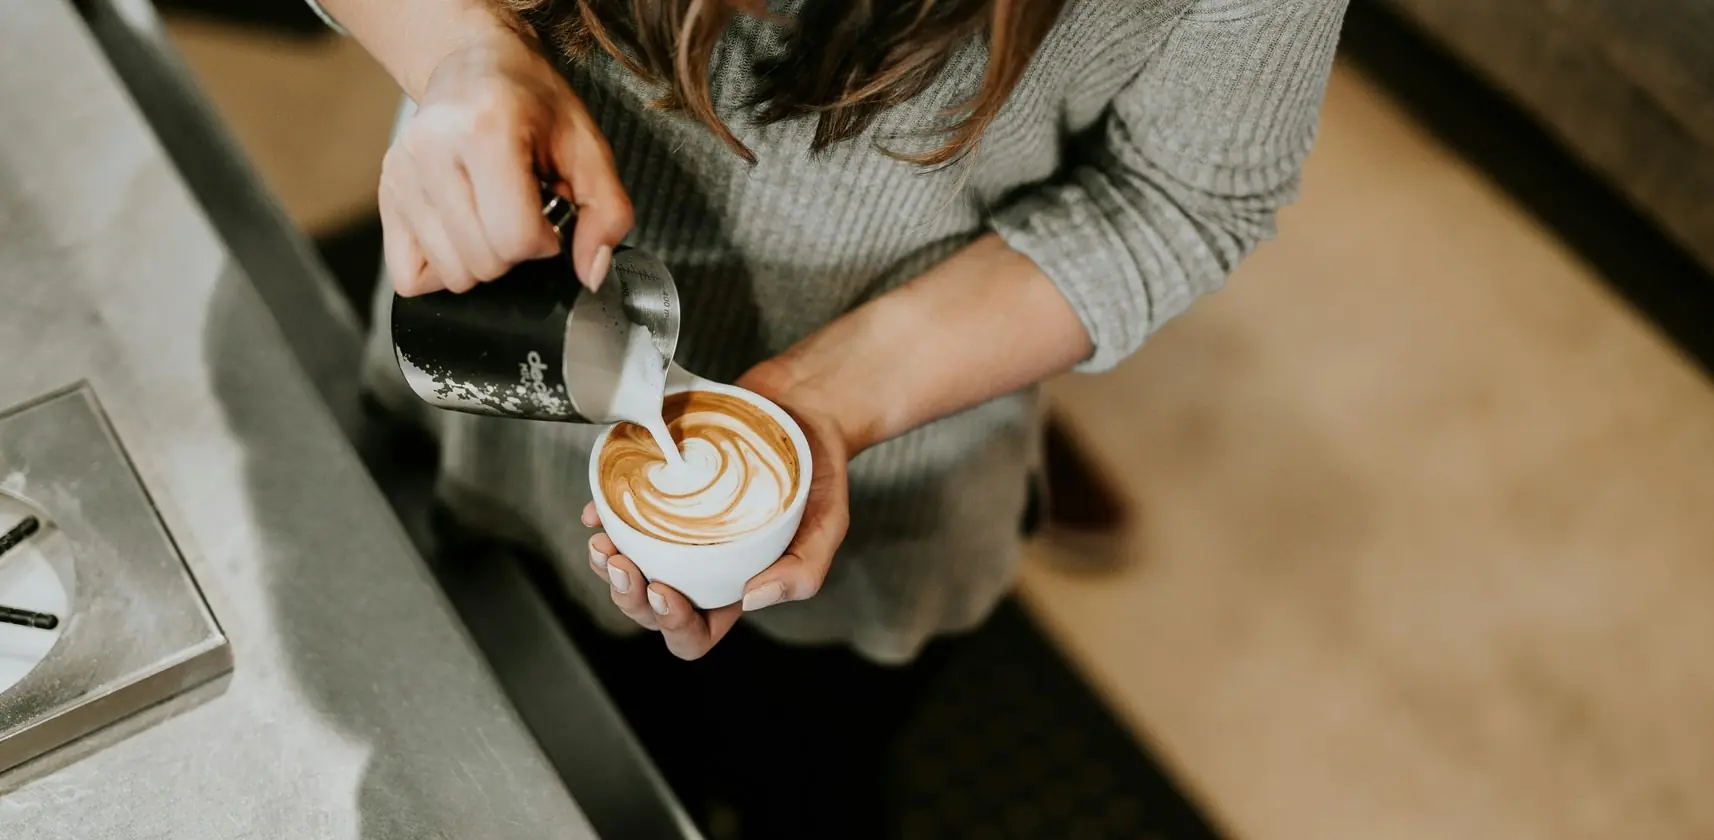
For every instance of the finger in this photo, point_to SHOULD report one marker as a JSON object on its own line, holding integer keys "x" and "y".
{"x": 406, "y": 268}
{"x": 629, "y": 591}
{"x": 799, "y": 573}
{"x": 591, "y": 519}
{"x": 689, "y": 632}
{"x": 508, "y": 199}
{"x": 411, "y": 200}
{"x": 600, "y": 549}
{"x": 453, "y": 198}
{"x": 443, "y": 258}
{"x": 604, "y": 544}
{"x": 583, "y": 158}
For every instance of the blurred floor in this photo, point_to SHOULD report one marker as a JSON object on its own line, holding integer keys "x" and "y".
{"x": 315, "y": 114}
{"x": 1423, "y": 510}
{"x": 1426, "y": 530}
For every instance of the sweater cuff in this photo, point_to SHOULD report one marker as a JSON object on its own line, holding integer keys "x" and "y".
{"x": 1074, "y": 244}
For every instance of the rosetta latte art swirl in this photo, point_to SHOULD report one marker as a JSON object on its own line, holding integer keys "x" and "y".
{"x": 740, "y": 471}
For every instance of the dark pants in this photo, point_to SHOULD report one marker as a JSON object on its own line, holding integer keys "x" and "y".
{"x": 797, "y": 742}
{"x": 793, "y": 741}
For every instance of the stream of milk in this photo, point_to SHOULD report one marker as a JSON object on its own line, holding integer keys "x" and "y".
{"x": 641, "y": 389}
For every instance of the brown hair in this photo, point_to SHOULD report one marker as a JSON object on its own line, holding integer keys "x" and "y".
{"x": 847, "y": 60}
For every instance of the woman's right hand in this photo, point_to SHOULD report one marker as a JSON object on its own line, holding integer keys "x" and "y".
{"x": 460, "y": 188}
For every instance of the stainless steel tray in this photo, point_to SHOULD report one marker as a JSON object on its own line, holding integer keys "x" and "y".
{"x": 137, "y": 630}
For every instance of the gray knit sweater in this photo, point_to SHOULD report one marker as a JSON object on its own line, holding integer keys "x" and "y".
{"x": 1144, "y": 154}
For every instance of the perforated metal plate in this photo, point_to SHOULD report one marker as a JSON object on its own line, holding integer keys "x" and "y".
{"x": 137, "y": 630}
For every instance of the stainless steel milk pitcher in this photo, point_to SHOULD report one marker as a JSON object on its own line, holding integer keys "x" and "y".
{"x": 535, "y": 344}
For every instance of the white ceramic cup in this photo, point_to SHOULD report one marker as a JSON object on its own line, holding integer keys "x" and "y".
{"x": 714, "y": 575}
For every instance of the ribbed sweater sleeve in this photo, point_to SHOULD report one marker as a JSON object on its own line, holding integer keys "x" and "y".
{"x": 1194, "y": 157}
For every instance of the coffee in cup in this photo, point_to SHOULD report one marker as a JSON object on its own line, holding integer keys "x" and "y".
{"x": 738, "y": 471}
{"x": 708, "y": 525}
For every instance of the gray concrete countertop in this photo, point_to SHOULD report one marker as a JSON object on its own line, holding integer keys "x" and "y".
{"x": 357, "y": 706}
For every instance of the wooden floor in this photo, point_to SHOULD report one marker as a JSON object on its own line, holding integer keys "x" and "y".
{"x": 1426, "y": 516}
{"x": 1427, "y": 526}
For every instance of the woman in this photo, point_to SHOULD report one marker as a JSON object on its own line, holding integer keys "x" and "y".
{"x": 892, "y": 217}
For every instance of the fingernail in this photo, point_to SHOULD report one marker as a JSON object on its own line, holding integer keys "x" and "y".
{"x": 621, "y": 581}
{"x": 763, "y": 597}
{"x": 658, "y": 602}
{"x": 596, "y": 557}
{"x": 598, "y": 268}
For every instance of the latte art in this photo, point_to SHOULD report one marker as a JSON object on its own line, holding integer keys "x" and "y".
{"x": 740, "y": 471}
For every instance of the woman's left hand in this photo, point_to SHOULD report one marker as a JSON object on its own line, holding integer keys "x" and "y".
{"x": 795, "y": 576}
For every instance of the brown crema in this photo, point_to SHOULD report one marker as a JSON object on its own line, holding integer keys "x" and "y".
{"x": 753, "y": 447}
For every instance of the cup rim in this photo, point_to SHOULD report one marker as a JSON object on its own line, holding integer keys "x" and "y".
{"x": 800, "y": 498}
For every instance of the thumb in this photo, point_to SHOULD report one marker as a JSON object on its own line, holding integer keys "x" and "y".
{"x": 582, "y": 158}
{"x": 799, "y": 573}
